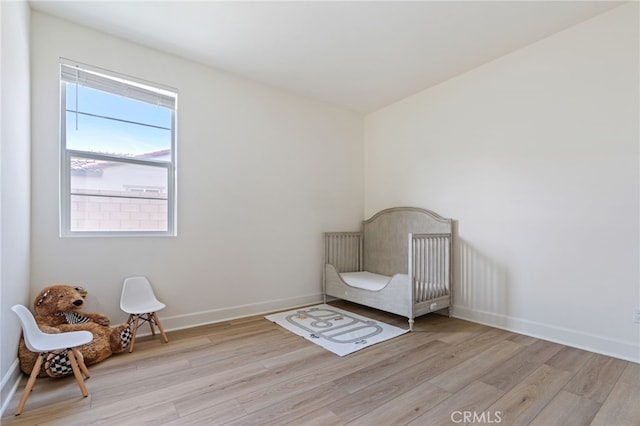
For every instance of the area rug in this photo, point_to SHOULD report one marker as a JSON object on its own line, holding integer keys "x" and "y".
{"x": 335, "y": 329}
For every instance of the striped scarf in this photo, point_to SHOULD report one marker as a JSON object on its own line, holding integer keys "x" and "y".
{"x": 74, "y": 318}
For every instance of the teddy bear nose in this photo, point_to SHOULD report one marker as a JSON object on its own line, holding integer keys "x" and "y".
{"x": 77, "y": 302}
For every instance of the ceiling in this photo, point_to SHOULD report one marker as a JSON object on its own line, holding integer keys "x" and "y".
{"x": 356, "y": 54}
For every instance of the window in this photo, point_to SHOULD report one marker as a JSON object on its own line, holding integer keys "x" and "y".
{"x": 118, "y": 154}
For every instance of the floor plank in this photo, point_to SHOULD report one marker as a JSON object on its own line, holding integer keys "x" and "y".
{"x": 466, "y": 372}
{"x": 522, "y": 404}
{"x": 621, "y": 408}
{"x": 567, "y": 408}
{"x": 405, "y": 408}
{"x": 597, "y": 377}
{"x": 457, "y": 409}
{"x": 514, "y": 370}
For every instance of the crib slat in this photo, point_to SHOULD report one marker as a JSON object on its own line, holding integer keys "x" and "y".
{"x": 343, "y": 250}
{"x": 430, "y": 265}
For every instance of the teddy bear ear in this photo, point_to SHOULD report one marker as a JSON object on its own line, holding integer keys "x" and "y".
{"x": 44, "y": 296}
{"x": 82, "y": 291}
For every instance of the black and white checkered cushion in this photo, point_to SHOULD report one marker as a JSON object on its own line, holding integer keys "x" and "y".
{"x": 125, "y": 336}
{"x": 58, "y": 364}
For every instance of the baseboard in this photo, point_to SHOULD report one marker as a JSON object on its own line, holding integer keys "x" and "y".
{"x": 195, "y": 319}
{"x": 574, "y": 338}
{"x": 9, "y": 385}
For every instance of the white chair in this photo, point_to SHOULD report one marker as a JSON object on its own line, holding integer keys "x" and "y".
{"x": 44, "y": 344}
{"x": 139, "y": 301}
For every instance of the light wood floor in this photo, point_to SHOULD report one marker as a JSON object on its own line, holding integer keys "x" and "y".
{"x": 252, "y": 372}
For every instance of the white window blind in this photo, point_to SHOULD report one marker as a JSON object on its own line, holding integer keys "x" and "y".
{"x": 98, "y": 79}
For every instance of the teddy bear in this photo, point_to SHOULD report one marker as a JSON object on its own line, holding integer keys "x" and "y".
{"x": 58, "y": 309}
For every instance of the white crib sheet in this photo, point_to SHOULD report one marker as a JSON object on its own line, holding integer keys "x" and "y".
{"x": 365, "y": 280}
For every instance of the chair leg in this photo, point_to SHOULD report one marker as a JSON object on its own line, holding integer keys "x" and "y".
{"x": 81, "y": 364}
{"x": 135, "y": 331}
{"x": 30, "y": 383}
{"x": 77, "y": 373}
{"x": 151, "y": 320}
{"x": 157, "y": 321}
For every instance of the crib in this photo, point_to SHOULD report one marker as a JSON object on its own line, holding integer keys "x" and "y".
{"x": 400, "y": 262}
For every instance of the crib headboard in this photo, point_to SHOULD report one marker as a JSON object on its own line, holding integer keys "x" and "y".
{"x": 385, "y": 237}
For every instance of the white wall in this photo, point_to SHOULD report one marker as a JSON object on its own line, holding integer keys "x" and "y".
{"x": 536, "y": 156}
{"x": 261, "y": 174}
{"x": 14, "y": 184}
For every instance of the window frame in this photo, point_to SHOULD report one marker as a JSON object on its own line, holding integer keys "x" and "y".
{"x": 67, "y": 154}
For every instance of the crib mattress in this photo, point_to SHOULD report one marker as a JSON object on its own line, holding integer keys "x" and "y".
{"x": 365, "y": 280}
